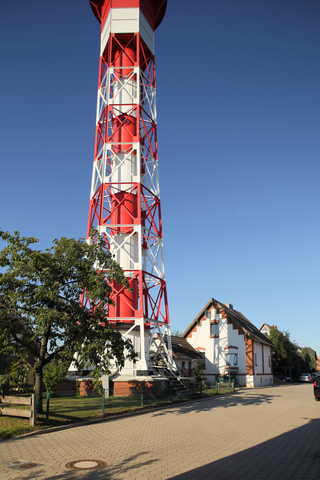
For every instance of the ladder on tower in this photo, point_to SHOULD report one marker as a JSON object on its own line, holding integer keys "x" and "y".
{"x": 176, "y": 383}
{"x": 164, "y": 364}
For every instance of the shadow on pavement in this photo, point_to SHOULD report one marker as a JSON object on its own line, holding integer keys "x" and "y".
{"x": 294, "y": 455}
{"x": 111, "y": 472}
{"x": 219, "y": 402}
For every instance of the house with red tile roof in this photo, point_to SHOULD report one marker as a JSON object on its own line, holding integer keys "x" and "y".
{"x": 231, "y": 345}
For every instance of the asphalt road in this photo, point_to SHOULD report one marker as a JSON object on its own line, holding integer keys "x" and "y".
{"x": 261, "y": 434}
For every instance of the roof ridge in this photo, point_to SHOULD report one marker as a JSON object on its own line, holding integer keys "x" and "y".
{"x": 238, "y": 316}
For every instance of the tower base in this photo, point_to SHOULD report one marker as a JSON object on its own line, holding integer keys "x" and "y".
{"x": 125, "y": 385}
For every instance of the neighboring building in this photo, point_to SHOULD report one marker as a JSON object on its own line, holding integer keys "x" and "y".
{"x": 231, "y": 345}
{"x": 185, "y": 356}
{"x": 318, "y": 364}
{"x": 265, "y": 329}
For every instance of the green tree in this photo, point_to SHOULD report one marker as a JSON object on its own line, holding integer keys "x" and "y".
{"x": 310, "y": 358}
{"x": 286, "y": 359}
{"x": 14, "y": 369}
{"x": 41, "y": 316}
{"x": 198, "y": 373}
{"x": 5, "y": 361}
{"x": 54, "y": 373}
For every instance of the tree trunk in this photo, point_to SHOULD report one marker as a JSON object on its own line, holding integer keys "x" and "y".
{"x": 39, "y": 370}
{"x": 38, "y": 389}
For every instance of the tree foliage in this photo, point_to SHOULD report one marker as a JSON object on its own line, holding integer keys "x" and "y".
{"x": 287, "y": 359}
{"x": 14, "y": 369}
{"x": 310, "y": 357}
{"x": 54, "y": 373}
{"x": 41, "y": 317}
{"x": 198, "y": 373}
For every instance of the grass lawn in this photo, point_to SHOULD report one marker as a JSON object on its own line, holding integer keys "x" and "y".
{"x": 11, "y": 426}
{"x": 65, "y": 410}
{"x": 80, "y": 408}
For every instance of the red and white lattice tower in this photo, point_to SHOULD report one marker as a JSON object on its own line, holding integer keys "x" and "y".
{"x": 125, "y": 196}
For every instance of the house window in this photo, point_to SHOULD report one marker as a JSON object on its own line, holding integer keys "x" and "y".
{"x": 255, "y": 360}
{"x": 269, "y": 361}
{"x": 232, "y": 359}
{"x": 214, "y": 329}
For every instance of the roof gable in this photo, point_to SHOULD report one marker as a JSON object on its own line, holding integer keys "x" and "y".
{"x": 236, "y": 318}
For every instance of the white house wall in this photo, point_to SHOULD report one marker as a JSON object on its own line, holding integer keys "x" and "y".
{"x": 262, "y": 366}
{"x": 215, "y": 349}
{"x": 257, "y": 355}
{"x": 267, "y": 359}
{"x": 259, "y": 380}
{"x": 237, "y": 340}
{"x": 200, "y": 339}
{"x": 222, "y": 342}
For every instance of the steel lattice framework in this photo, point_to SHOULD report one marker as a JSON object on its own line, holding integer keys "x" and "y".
{"x": 125, "y": 197}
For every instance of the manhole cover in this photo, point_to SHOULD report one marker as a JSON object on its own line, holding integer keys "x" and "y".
{"x": 86, "y": 464}
{"x": 22, "y": 465}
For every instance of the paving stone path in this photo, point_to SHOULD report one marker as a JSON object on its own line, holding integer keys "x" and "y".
{"x": 262, "y": 434}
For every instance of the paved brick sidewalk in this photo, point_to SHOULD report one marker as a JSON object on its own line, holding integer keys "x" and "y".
{"x": 262, "y": 434}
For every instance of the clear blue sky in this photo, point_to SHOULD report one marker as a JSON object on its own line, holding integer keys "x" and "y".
{"x": 239, "y": 116}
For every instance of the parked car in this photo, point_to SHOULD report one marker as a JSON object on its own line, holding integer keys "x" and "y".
{"x": 282, "y": 379}
{"x": 305, "y": 377}
{"x": 316, "y": 388}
